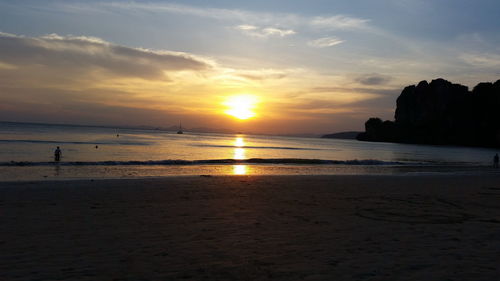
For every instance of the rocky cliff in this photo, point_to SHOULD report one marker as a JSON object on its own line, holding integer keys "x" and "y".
{"x": 441, "y": 112}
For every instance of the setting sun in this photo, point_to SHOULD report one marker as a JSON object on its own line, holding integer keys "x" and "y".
{"x": 241, "y": 106}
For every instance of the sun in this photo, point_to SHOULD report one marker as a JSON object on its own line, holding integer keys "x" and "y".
{"x": 241, "y": 106}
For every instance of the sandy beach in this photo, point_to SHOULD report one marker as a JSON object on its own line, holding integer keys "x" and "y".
{"x": 252, "y": 228}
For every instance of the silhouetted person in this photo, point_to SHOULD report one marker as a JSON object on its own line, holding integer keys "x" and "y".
{"x": 57, "y": 154}
{"x": 495, "y": 161}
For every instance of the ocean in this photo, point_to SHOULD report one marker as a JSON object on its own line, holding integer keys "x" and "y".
{"x": 27, "y": 153}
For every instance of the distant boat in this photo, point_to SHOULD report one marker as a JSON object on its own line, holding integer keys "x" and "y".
{"x": 180, "y": 129}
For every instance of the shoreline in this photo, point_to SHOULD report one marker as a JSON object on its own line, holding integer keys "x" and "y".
{"x": 62, "y": 173}
{"x": 173, "y": 177}
{"x": 168, "y": 178}
{"x": 344, "y": 227}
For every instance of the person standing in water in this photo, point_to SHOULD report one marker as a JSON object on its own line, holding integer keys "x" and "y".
{"x": 495, "y": 161}
{"x": 57, "y": 154}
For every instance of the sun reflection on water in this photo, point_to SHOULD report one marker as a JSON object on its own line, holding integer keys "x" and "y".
{"x": 240, "y": 169}
{"x": 239, "y": 142}
{"x": 239, "y": 150}
{"x": 239, "y": 154}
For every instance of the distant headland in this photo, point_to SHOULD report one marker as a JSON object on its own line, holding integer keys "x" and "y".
{"x": 350, "y": 135}
{"x": 441, "y": 112}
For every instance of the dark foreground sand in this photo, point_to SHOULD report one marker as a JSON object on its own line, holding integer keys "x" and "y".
{"x": 252, "y": 228}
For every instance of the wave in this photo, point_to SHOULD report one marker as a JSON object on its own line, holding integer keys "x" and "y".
{"x": 73, "y": 142}
{"x": 257, "y": 147}
{"x": 297, "y": 161}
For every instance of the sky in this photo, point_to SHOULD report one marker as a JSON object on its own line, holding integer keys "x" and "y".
{"x": 291, "y": 67}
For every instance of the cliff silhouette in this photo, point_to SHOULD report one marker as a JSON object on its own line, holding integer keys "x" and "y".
{"x": 441, "y": 112}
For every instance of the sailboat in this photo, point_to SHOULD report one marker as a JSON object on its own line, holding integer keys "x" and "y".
{"x": 180, "y": 129}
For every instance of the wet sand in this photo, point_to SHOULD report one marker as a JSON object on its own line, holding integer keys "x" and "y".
{"x": 252, "y": 228}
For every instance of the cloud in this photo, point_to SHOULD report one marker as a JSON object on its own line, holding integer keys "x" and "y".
{"x": 247, "y": 27}
{"x": 263, "y": 74}
{"x": 342, "y": 22}
{"x": 72, "y": 78}
{"x": 325, "y": 42}
{"x": 339, "y": 22}
{"x": 342, "y": 102}
{"x": 372, "y": 91}
{"x": 183, "y": 10}
{"x": 277, "y": 31}
{"x": 204, "y": 12}
{"x": 486, "y": 60}
{"x": 7, "y": 66}
{"x": 254, "y": 31}
{"x": 5, "y": 34}
{"x": 84, "y": 55}
{"x": 373, "y": 79}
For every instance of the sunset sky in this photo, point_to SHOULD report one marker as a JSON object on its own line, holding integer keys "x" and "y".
{"x": 286, "y": 66}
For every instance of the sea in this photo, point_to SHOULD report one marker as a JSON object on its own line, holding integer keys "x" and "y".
{"x": 90, "y": 152}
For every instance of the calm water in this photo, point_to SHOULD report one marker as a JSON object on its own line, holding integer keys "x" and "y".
{"x": 131, "y": 153}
